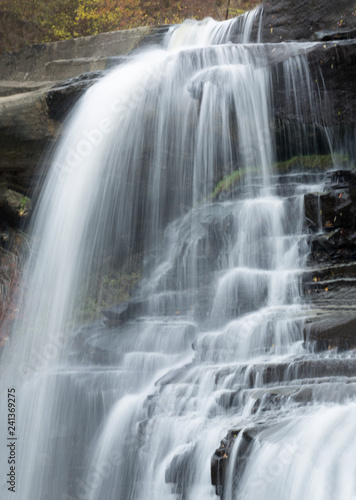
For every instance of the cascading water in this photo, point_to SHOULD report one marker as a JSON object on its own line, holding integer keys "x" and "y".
{"x": 135, "y": 411}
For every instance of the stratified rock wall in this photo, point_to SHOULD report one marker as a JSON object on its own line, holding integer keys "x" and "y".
{"x": 41, "y": 83}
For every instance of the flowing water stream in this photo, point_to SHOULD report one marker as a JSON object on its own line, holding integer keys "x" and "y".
{"x": 134, "y": 411}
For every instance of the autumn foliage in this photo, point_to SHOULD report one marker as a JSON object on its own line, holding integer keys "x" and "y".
{"x": 32, "y": 21}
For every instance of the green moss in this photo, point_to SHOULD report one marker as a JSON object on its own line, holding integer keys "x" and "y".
{"x": 230, "y": 180}
{"x": 297, "y": 163}
{"x": 312, "y": 162}
{"x": 25, "y": 207}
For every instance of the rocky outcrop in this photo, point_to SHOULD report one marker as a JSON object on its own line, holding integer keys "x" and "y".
{"x": 331, "y": 216}
{"x": 330, "y": 284}
{"x": 38, "y": 87}
{"x": 220, "y": 459}
{"x": 124, "y": 311}
{"x": 286, "y": 20}
{"x": 41, "y": 83}
{"x": 332, "y": 86}
{"x": 58, "y": 61}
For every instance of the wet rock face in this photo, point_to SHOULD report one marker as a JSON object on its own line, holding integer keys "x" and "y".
{"x": 332, "y": 332}
{"x": 62, "y": 97}
{"x": 219, "y": 462}
{"x": 330, "y": 285}
{"x": 180, "y": 470}
{"x": 220, "y": 459}
{"x": 285, "y": 20}
{"x": 331, "y": 215}
{"x": 332, "y": 85}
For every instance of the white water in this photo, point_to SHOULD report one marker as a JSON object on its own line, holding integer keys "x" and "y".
{"x": 221, "y": 282}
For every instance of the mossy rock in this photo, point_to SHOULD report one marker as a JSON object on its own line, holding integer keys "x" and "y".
{"x": 311, "y": 163}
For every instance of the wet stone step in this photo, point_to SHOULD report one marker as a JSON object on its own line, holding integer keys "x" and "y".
{"x": 335, "y": 296}
{"x": 330, "y": 390}
{"x": 332, "y": 332}
{"x": 247, "y": 188}
{"x": 309, "y": 367}
{"x": 234, "y": 378}
{"x": 330, "y": 272}
{"x": 327, "y": 285}
{"x": 298, "y": 178}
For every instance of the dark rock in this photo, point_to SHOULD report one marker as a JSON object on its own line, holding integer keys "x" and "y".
{"x": 337, "y": 34}
{"x": 328, "y": 96}
{"x": 62, "y": 97}
{"x": 329, "y": 211}
{"x": 333, "y": 69}
{"x": 331, "y": 288}
{"x": 332, "y": 333}
{"x": 306, "y": 368}
{"x": 14, "y": 209}
{"x": 284, "y": 20}
{"x": 334, "y": 241}
{"x": 334, "y": 212}
{"x": 124, "y": 311}
{"x": 180, "y": 471}
{"x": 220, "y": 459}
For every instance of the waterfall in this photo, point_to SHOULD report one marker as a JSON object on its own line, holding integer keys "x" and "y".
{"x": 213, "y": 337}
